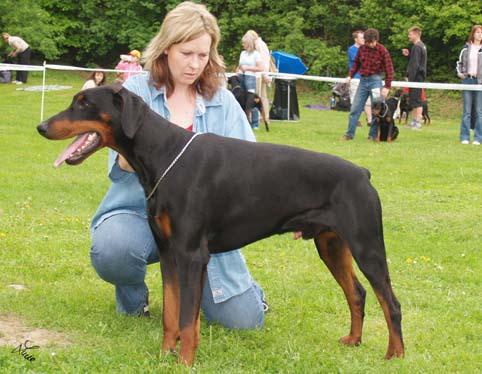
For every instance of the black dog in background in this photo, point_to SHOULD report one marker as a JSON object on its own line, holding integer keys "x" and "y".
{"x": 383, "y": 114}
{"x": 406, "y": 108}
{"x": 247, "y": 100}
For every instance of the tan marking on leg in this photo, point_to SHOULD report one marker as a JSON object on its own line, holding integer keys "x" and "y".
{"x": 395, "y": 343}
{"x": 170, "y": 316}
{"x": 189, "y": 343}
{"x": 339, "y": 262}
{"x": 164, "y": 223}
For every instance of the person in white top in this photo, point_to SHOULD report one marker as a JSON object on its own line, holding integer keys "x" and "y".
{"x": 263, "y": 81}
{"x": 250, "y": 63}
{"x": 22, "y": 51}
{"x": 95, "y": 79}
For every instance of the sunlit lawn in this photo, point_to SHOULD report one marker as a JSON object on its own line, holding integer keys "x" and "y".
{"x": 431, "y": 191}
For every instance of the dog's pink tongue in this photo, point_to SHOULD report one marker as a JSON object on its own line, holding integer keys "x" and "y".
{"x": 71, "y": 149}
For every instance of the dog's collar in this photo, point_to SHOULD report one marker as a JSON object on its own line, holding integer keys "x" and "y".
{"x": 172, "y": 164}
{"x": 386, "y": 110}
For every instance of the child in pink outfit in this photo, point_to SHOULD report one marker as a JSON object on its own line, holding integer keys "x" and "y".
{"x": 128, "y": 62}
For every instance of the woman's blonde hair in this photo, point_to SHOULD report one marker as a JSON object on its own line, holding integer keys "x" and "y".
{"x": 184, "y": 23}
{"x": 250, "y": 39}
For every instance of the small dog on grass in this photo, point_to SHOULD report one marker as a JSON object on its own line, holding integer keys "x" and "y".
{"x": 406, "y": 108}
{"x": 383, "y": 113}
{"x": 247, "y": 100}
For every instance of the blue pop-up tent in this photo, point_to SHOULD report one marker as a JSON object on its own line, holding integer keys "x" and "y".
{"x": 288, "y": 63}
{"x": 285, "y": 103}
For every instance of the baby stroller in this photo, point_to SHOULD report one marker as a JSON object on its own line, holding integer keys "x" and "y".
{"x": 340, "y": 99}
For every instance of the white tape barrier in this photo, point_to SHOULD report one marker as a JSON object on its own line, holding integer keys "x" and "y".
{"x": 434, "y": 86}
{"x": 21, "y": 67}
{"x": 59, "y": 67}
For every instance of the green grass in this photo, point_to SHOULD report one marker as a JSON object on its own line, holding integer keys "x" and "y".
{"x": 430, "y": 187}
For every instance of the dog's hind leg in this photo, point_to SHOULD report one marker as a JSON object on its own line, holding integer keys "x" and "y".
{"x": 262, "y": 110}
{"x": 368, "y": 250}
{"x": 337, "y": 257}
{"x": 374, "y": 267}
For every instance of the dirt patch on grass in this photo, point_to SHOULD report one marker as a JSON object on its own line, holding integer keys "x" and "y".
{"x": 13, "y": 332}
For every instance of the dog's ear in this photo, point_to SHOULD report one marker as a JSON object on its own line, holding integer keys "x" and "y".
{"x": 132, "y": 108}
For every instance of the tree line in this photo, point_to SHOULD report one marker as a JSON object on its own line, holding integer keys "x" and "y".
{"x": 96, "y": 32}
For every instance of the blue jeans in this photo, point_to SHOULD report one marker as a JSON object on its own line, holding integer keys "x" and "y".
{"x": 367, "y": 84}
{"x": 248, "y": 83}
{"x": 123, "y": 246}
{"x": 471, "y": 97}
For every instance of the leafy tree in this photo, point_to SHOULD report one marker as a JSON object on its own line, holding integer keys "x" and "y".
{"x": 32, "y": 23}
{"x": 319, "y": 31}
{"x": 445, "y": 25}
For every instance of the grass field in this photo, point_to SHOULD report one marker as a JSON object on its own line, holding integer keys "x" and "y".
{"x": 431, "y": 191}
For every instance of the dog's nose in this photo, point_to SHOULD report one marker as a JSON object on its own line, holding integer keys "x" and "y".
{"x": 42, "y": 128}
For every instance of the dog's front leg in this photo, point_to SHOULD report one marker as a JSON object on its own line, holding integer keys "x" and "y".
{"x": 379, "y": 130}
{"x": 161, "y": 228}
{"x": 390, "y": 130}
{"x": 171, "y": 302}
{"x": 191, "y": 265}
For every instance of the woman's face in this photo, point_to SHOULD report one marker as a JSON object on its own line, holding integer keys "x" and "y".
{"x": 187, "y": 60}
{"x": 98, "y": 76}
{"x": 478, "y": 35}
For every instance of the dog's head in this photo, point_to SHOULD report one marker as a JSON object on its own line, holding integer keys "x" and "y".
{"x": 106, "y": 116}
{"x": 405, "y": 100}
{"x": 377, "y": 108}
{"x": 233, "y": 82}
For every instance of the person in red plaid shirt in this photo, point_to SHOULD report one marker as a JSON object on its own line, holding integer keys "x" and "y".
{"x": 371, "y": 61}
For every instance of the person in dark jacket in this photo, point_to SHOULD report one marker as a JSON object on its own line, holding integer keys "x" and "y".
{"x": 416, "y": 72}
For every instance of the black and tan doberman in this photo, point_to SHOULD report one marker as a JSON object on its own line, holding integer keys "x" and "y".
{"x": 383, "y": 113}
{"x": 247, "y": 100}
{"x": 217, "y": 196}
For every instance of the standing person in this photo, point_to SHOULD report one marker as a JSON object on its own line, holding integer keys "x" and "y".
{"x": 359, "y": 40}
{"x": 129, "y": 62}
{"x": 371, "y": 61}
{"x": 250, "y": 62}
{"x": 263, "y": 81}
{"x": 416, "y": 72}
{"x": 469, "y": 69}
{"x": 95, "y": 79}
{"x": 184, "y": 85}
{"x": 22, "y": 51}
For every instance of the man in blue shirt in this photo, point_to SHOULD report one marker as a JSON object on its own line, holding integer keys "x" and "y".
{"x": 352, "y": 52}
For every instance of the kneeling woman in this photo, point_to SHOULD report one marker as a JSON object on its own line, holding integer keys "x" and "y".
{"x": 184, "y": 86}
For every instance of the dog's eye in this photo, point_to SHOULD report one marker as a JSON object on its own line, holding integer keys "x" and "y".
{"x": 83, "y": 104}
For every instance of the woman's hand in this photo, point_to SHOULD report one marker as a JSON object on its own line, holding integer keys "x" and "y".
{"x": 461, "y": 76}
{"x": 123, "y": 164}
